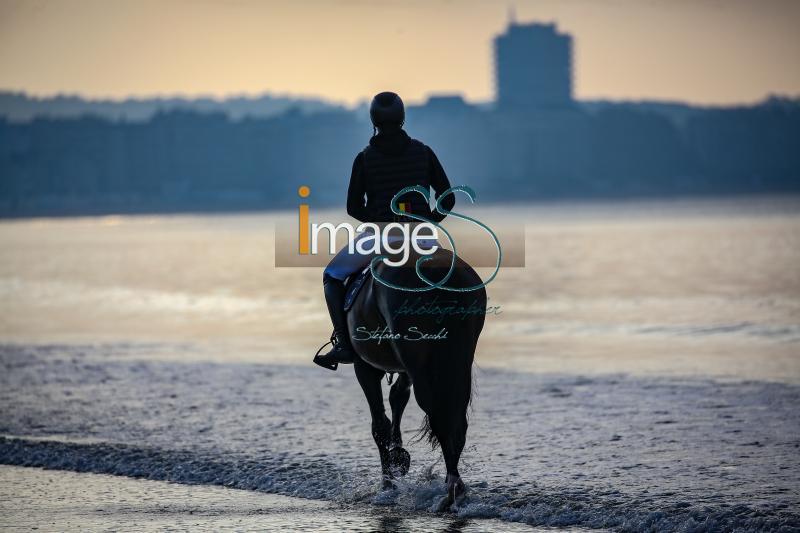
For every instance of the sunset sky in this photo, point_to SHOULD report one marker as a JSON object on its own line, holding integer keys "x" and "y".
{"x": 711, "y": 51}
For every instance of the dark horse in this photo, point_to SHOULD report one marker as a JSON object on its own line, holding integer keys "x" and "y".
{"x": 439, "y": 368}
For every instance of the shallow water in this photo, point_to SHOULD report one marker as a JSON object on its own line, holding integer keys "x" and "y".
{"x": 48, "y": 500}
{"x": 699, "y": 287}
{"x": 609, "y": 451}
{"x": 644, "y": 373}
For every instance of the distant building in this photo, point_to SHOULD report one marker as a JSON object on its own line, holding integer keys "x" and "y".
{"x": 533, "y": 67}
{"x": 448, "y": 103}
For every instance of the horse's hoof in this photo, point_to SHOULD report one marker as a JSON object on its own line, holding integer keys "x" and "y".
{"x": 456, "y": 490}
{"x": 459, "y": 495}
{"x": 399, "y": 461}
{"x": 456, "y": 493}
{"x": 443, "y": 505}
{"x": 387, "y": 484}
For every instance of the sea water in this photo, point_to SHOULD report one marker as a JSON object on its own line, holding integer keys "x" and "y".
{"x": 643, "y": 371}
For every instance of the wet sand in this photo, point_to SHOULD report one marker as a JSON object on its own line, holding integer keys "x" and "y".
{"x": 52, "y": 500}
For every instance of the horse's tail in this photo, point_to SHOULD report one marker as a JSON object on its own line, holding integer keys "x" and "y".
{"x": 425, "y": 432}
{"x": 454, "y": 392}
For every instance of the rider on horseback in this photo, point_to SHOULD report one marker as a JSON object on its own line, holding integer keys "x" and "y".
{"x": 391, "y": 162}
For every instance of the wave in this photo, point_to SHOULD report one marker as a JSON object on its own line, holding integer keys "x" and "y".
{"x": 321, "y": 478}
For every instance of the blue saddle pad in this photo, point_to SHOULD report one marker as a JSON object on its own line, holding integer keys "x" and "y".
{"x": 354, "y": 284}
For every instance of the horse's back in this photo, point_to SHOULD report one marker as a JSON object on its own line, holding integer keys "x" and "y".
{"x": 434, "y": 267}
{"x": 440, "y": 322}
{"x": 416, "y": 325}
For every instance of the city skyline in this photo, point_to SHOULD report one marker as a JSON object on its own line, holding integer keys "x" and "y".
{"x": 704, "y": 53}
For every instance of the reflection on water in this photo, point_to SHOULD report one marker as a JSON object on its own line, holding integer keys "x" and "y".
{"x": 49, "y": 500}
{"x": 693, "y": 287}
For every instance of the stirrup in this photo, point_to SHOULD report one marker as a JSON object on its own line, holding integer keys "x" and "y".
{"x": 322, "y": 361}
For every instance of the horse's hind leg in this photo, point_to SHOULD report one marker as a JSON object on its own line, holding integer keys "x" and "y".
{"x": 451, "y": 449}
{"x": 399, "y": 458}
{"x": 446, "y": 402}
{"x": 452, "y": 435}
{"x": 370, "y": 380}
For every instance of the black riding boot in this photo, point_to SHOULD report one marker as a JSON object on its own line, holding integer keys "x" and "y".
{"x": 342, "y": 351}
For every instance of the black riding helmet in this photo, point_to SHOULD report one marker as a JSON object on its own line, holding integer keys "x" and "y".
{"x": 387, "y": 108}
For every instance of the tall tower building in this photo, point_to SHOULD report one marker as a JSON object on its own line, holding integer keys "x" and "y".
{"x": 533, "y": 66}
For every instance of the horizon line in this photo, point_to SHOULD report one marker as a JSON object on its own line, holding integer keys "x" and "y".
{"x": 221, "y": 98}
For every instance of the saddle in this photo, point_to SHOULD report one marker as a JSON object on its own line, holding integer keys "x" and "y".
{"x": 353, "y": 287}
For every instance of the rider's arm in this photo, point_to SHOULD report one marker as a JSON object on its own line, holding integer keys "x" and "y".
{"x": 440, "y": 184}
{"x": 356, "y": 203}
